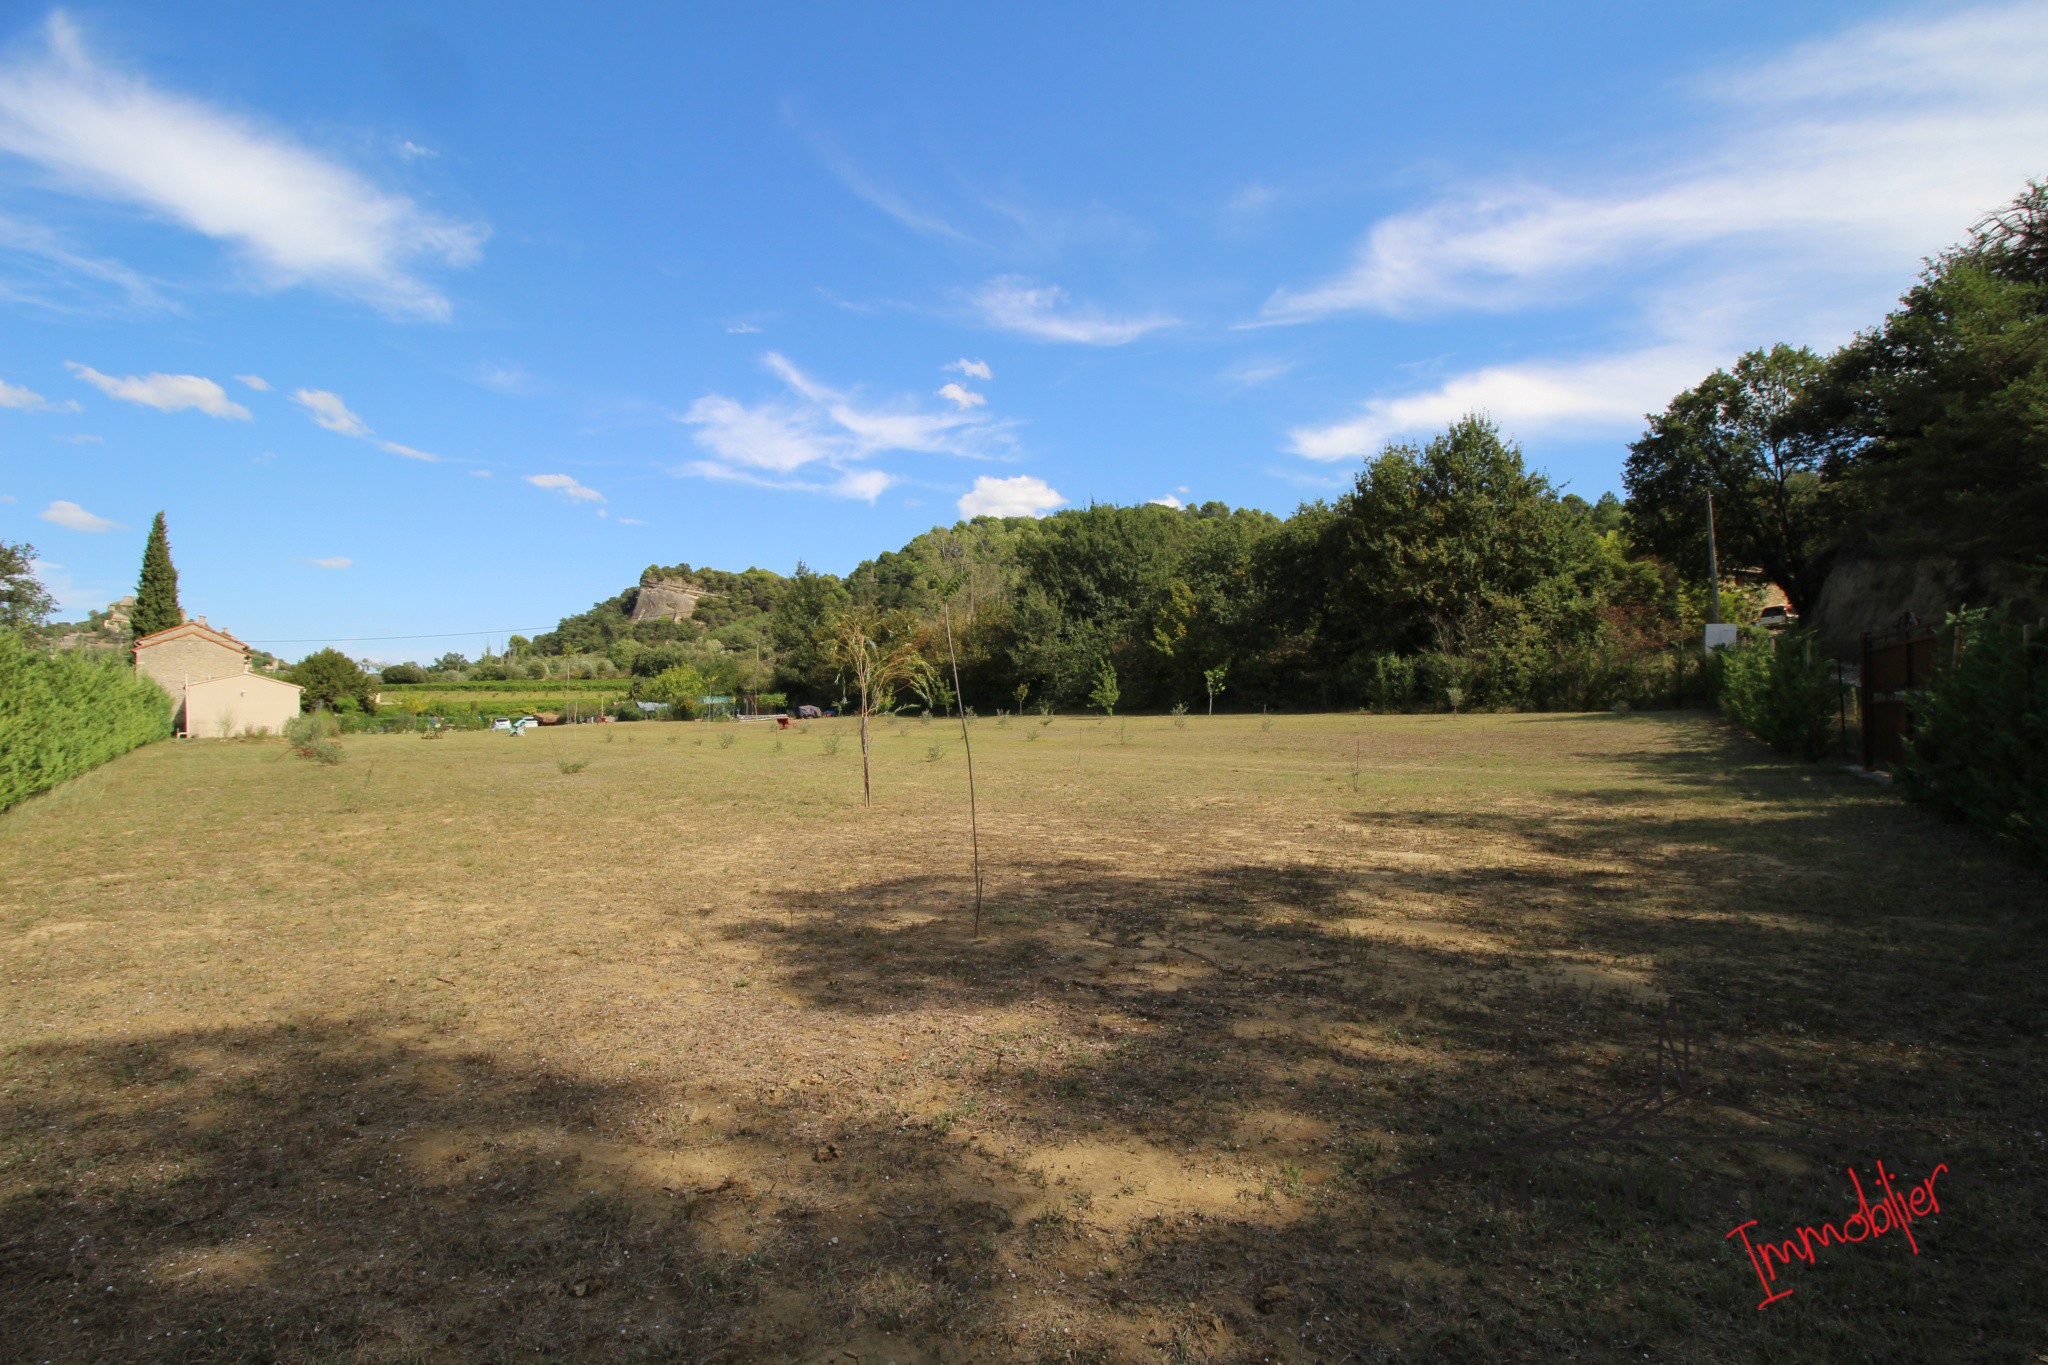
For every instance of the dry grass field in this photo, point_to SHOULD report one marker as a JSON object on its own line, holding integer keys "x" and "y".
{"x": 458, "y": 1051}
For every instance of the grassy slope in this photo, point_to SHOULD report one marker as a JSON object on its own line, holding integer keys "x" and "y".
{"x": 447, "y": 1053}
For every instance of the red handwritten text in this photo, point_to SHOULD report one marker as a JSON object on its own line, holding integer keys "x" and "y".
{"x": 1894, "y": 1212}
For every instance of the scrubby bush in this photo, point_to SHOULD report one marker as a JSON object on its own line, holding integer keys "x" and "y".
{"x": 1781, "y": 690}
{"x": 313, "y": 735}
{"x": 1979, "y": 747}
{"x": 399, "y": 674}
{"x": 63, "y": 714}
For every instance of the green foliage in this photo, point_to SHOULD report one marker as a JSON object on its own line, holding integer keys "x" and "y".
{"x": 1781, "y": 689}
{"x": 1749, "y": 437}
{"x": 800, "y": 628}
{"x": 24, "y": 601}
{"x": 1979, "y": 748}
{"x": 678, "y": 688}
{"x": 1942, "y": 410}
{"x": 313, "y": 735}
{"x": 1105, "y": 692}
{"x": 330, "y": 678}
{"x": 156, "y": 594}
{"x": 400, "y": 674}
{"x": 64, "y": 714}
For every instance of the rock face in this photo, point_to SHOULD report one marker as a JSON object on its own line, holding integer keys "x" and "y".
{"x": 1880, "y": 596}
{"x": 667, "y": 599}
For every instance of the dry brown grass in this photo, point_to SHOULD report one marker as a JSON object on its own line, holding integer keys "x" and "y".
{"x": 450, "y": 1053}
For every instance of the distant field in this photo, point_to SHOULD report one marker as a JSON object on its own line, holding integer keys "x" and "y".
{"x": 505, "y": 697}
{"x": 648, "y": 1042}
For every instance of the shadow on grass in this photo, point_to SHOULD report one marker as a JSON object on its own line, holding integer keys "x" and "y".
{"x": 335, "y": 1194}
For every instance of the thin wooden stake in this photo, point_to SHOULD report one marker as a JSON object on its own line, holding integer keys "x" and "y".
{"x": 967, "y": 743}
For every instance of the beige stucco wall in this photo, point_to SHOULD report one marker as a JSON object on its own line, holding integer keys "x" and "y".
{"x": 224, "y": 707}
{"x": 189, "y": 659}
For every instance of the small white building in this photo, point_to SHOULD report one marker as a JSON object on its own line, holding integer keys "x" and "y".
{"x": 216, "y": 693}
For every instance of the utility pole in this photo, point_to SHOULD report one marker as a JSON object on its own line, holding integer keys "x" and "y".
{"x": 1713, "y": 566}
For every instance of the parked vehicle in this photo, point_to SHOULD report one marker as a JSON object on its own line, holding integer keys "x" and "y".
{"x": 501, "y": 722}
{"x": 1777, "y": 618}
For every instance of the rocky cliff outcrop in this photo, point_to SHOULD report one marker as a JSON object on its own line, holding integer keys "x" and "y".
{"x": 1882, "y": 595}
{"x": 667, "y": 599}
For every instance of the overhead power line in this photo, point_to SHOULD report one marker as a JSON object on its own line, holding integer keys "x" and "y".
{"x": 370, "y": 639}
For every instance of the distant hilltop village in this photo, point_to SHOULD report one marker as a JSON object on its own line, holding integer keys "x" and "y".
{"x": 107, "y": 629}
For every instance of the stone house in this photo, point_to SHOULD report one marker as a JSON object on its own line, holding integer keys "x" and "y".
{"x": 216, "y": 693}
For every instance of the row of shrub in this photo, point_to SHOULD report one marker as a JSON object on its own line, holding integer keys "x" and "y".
{"x": 64, "y": 714}
{"x": 1979, "y": 748}
{"x": 1979, "y": 745}
{"x": 1783, "y": 689}
{"x": 510, "y": 687}
{"x": 1590, "y": 677}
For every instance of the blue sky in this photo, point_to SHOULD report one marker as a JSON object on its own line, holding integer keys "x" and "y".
{"x": 445, "y": 321}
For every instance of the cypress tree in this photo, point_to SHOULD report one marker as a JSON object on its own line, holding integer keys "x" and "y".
{"x": 156, "y": 597}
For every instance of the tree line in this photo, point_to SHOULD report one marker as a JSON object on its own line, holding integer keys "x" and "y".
{"x": 1450, "y": 574}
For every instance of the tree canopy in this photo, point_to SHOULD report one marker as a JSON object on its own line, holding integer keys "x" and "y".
{"x": 24, "y": 601}
{"x": 156, "y": 594}
{"x": 330, "y": 678}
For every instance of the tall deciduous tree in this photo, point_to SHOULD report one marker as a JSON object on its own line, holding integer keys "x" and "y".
{"x": 24, "y": 601}
{"x": 156, "y": 595}
{"x": 1433, "y": 545}
{"x": 1747, "y": 436}
{"x": 328, "y": 676}
{"x": 1945, "y": 404}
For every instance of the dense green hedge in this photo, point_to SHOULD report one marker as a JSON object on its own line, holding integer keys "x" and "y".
{"x": 1783, "y": 691}
{"x": 63, "y": 714}
{"x": 536, "y": 687}
{"x": 1979, "y": 748}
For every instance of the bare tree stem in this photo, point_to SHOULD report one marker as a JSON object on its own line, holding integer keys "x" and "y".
{"x": 966, "y": 742}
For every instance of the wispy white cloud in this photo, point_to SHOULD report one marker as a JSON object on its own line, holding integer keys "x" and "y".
{"x": 1565, "y": 398}
{"x": 1866, "y": 151}
{"x": 631, "y": 521}
{"x": 863, "y": 186}
{"x": 504, "y": 378}
{"x": 328, "y": 409}
{"x": 254, "y": 381}
{"x": 962, "y": 397}
{"x": 970, "y": 369}
{"x": 413, "y": 151}
{"x": 1804, "y": 202}
{"x": 742, "y": 328}
{"x": 28, "y": 400}
{"x": 1168, "y": 500}
{"x": 164, "y": 392}
{"x": 1040, "y": 311}
{"x": 1250, "y": 374}
{"x": 83, "y": 438}
{"x": 53, "y": 273}
{"x": 294, "y": 215}
{"x": 333, "y": 562}
{"x": 1250, "y": 202}
{"x": 566, "y": 486}
{"x": 72, "y": 517}
{"x": 330, "y": 412}
{"x": 1023, "y": 495}
{"x": 789, "y": 442}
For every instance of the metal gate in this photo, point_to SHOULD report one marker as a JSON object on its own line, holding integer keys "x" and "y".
{"x": 1891, "y": 669}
